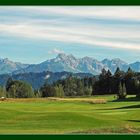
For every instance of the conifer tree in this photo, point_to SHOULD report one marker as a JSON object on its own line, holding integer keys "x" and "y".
{"x": 121, "y": 91}
{"x": 124, "y": 91}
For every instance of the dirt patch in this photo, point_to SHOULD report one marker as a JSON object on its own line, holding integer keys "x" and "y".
{"x": 91, "y": 101}
{"x": 122, "y": 130}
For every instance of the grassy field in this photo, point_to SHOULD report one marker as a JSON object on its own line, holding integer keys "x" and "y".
{"x": 99, "y": 114}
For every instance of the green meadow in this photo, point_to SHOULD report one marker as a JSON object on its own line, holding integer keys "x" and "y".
{"x": 90, "y": 115}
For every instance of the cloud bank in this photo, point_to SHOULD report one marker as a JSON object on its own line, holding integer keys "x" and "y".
{"x": 107, "y": 27}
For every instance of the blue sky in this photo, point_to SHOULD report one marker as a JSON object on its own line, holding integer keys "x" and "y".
{"x": 34, "y": 34}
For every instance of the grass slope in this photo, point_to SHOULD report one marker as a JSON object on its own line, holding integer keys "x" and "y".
{"x": 68, "y": 116}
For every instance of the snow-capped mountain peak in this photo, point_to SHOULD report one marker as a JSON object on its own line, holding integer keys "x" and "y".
{"x": 69, "y": 63}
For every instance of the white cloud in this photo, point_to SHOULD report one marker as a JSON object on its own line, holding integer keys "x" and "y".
{"x": 55, "y": 51}
{"x": 122, "y": 36}
{"x": 111, "y": 12}
{"x": 76, "y": 35}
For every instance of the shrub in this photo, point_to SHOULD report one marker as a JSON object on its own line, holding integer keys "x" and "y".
{"x": 19, "y": 89}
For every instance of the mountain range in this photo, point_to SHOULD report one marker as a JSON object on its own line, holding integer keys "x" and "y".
{"x": 38, "y": 79}
{"x": 67, "y": 63}
{"x": 8, "y": 66}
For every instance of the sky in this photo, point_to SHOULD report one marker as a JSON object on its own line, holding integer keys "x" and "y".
{"x": 33, "y": 34}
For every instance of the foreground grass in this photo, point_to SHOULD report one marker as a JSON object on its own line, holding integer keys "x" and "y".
{"x": 69, "y": 115}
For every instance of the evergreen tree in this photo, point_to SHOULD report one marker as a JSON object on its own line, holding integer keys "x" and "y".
{"x": 121, "y": 91}
{"x": 47, "y": 90}
{"x": 109, "y": 82}
{"x": 124, "y": 90}
{"x": 59, "y": 92}
{"x": 37, "y": 93}
{"x": 103, "y": 74}
{"x": 62, "y": 94}
{"x": 2, "y": 92}
{"x": 130, "y": 81}
{"x": 115, "y": 83}
{"x": 8, "y": 83}
{"x": 80, "y": 88}
{"x": 118, "y": 73}
{"x": 88, "y": 91}
{"x": 130, "y": 73}
{"x": 137, "y": 86}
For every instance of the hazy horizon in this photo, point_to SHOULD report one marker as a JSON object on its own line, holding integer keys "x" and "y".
{"x": 32, "y": 34}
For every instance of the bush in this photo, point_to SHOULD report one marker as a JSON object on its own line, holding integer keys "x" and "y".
{"x": 19, "y": 89}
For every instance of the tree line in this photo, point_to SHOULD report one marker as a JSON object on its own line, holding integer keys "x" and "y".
{"x": 120, "y": 83}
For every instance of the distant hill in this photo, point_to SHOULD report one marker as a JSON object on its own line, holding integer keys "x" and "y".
{"x": 8, "y": 66}
{"x": 38, "y": 79}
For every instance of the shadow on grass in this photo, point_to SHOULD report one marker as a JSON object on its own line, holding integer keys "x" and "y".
{"x": 134, "y": 121}
{"x": 128, "y": 107}
{"x": 130, "y": 99}
{"x": 125, "y": 107}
